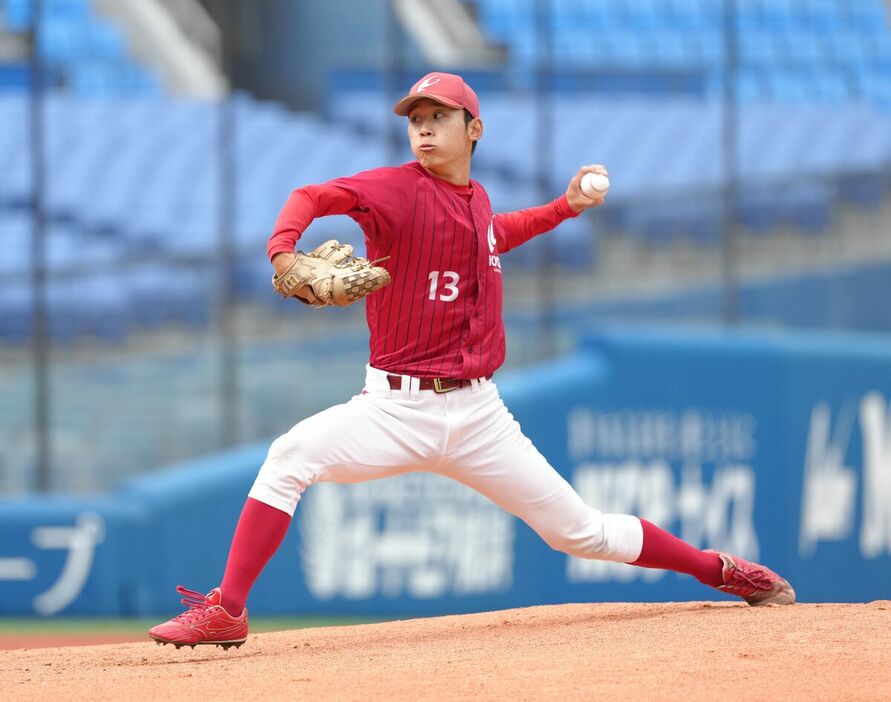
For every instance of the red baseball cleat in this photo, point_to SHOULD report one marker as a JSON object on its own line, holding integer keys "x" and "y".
{"x": 204, "y": 623}
{"x": 753, "y": 582}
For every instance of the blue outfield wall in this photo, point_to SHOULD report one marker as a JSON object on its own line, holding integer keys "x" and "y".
{"x": 776, "y": 447}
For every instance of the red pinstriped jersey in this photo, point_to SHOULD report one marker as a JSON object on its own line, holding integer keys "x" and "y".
{"x": 441, "y": 314}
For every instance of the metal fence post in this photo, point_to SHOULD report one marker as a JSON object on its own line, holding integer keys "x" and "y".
{"x": 40, "y": 342}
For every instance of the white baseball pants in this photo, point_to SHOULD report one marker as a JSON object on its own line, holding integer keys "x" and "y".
{"x": 467, "y": 435}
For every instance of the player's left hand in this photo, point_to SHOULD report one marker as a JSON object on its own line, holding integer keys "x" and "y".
{"x": 578, "y": 201}
{"x": 328, "y": 275}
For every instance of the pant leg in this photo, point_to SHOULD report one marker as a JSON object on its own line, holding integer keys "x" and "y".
{"x": 490, "y": 454}
{"x": 375, "y": 435}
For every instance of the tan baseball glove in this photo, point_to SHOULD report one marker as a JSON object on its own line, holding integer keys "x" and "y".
{"x": 330, "y": 275}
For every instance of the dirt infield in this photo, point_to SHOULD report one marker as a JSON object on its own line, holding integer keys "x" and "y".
{"x": 46, "y": 640}
{"x": 687, "y": 651}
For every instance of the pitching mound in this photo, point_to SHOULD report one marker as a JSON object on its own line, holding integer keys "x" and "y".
{"x": 687, "y": 651}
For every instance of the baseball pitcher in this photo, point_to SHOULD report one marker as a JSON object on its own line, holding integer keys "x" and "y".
{"x": 432, "y": 288}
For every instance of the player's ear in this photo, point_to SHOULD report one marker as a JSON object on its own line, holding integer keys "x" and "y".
{"x": 475, "y": 129}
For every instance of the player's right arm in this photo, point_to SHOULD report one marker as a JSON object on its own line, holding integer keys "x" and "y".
{"x": 515, "y": 228}
{"x": 302, "y": 207}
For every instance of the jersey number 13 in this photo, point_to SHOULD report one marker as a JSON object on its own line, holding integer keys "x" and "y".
{"x": 449, "y": 285}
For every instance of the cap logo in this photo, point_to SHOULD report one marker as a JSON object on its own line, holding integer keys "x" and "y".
{"x": 426, "y": 83}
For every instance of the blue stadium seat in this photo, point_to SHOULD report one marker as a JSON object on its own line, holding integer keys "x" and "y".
{"x": 692, "y": 15}
{"x": 868, "y": 16}
{"x": 14, "y": 154}
{"x": 15, "y": 241}
{"x": 661, "y": 221}
{"x": 760, "y": 49}
{"x": 749, "y": 17}
{"x": 82, "y": 49}
{"x": 600, "y": 14}
{"x": 789, "y": 85}
{"x": 61, "y": 41}
{"x": 160, "y": 295}
{"x": 16, "y": 304}
{"x": 833, "y": 87}
{"x": 500, "y": 118}
{"x": 750, "y": 86}
{"x": 880, "y": 52}
{"x": 823, "y": 15}
{"x": 779, "y": 14}
{"x": 849, "y": 49}
{"x": 105, "y": 41}
{"x": 103, "y": 78}
{"x": 819, "y": 37}
{"x": 874, "y": 86}
{"x": 134, "y": 176}
{"x": 646, "y": 14}
{"x": 252, "y": 278}
{"x": 758, "y": 208}
{"x": 87, "y": 306}
{"x": 711, "y": 47}
{"x": 864, "y": 189}
{"x": 803, "y": 49}
{"x": 674, "y": 50}
{"x": 807, "y": 206}
{"x": 625, "y": 49}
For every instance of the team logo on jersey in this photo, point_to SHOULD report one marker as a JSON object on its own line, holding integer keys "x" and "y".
{"x": 494, "y": 261}
{"x": 426, "y": 83}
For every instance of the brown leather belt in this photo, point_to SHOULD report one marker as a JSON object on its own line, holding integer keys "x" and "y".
{"x": 439, "y": 385}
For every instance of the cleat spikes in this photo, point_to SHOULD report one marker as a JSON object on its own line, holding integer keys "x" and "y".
{"x": 230, "y": 644}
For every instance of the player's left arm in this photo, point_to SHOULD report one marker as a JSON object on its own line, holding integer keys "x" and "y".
{"x": 303, "y": 206}
{"x": 515, "y": 228}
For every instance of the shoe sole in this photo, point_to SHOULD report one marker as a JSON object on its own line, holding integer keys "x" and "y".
{"x": 225, "y": 645}
{"x": 784, "y": 596}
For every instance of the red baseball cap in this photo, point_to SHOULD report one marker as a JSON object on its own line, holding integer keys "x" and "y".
{"x": 446, "y": 88}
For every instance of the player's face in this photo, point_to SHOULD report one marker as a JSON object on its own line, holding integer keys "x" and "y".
{"x": 439, "y": 137}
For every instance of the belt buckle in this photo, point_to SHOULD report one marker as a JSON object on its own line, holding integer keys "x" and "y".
{"x": 438, "y": 388}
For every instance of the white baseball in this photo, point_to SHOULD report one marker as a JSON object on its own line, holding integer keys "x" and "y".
{"x": 594, "y": 185}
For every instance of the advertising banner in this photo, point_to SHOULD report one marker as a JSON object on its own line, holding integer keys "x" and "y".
{"x": 776, "y": 448}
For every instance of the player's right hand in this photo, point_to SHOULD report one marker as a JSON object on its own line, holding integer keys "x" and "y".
{"x": 578, "y": 201}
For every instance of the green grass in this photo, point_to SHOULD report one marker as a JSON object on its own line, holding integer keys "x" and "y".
{"x": 126, "y": 626}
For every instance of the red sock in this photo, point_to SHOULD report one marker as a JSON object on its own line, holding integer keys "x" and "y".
{"x": 662, "y": 550}
{"x": 259, "y": 533}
